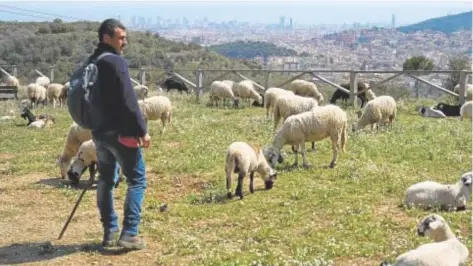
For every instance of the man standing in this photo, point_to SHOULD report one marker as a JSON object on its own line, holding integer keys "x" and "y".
{"x": 123, "y": 126}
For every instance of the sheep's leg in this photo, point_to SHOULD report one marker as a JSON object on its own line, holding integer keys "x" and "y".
{"x": 252, "y": 175}
{"x": 305, "y": 164}
{"x": 313, "y": 146}
{"x": 229, "y": 184}
{"x": 335, "y": 148}
{"x": 239, "y": 188}
{"x": 163, "y": 121}
{"x": 296, "y": 162}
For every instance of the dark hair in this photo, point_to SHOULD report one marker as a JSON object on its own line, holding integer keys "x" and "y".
{"x": 108, "y": 27}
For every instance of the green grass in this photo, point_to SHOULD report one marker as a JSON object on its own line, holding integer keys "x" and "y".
{"x": 345, "y": 216}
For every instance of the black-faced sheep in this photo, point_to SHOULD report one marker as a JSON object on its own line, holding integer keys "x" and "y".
{"x": 339, "y": 94}
{"x": 448, "y": 109}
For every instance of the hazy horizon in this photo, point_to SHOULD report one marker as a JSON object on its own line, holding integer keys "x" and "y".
{"x": 315, "y": 13}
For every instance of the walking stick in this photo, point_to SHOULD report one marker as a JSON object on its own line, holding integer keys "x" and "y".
{"x": 92, "y": 171}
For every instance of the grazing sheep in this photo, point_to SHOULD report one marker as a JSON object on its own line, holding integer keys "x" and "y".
{"x": 317, "y": 124}
{"x": 43, "y": 81}
{"x": 271, "y": 95}
{"x": 246, "y": 90}
{"x": 242, "y": 158}
{"x": 306, "y": 88}
{"x": 141, "y": 91}
{"x": 431, "y": 112}
{"x": 339, "y": 94}
{"x": 75, "y": 137}
{"x": 63, "y": 97}
{"x": 469, "y": 89}
{"x": 222, "y": 90}
{"x": 447, "y": 109}
{"x": 446, "y": 250}
{"x": 36, "y": 94}
{"x": 174, "y": 83}
{"x": 156, "y": 107}
{"x": 429, "y": 194}
{"x": 465, "y": 110}
{"x": 55, "y": 91}
{"x": 377, "y": 111}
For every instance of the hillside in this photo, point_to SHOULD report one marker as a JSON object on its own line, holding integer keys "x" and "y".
{"x": 446, "y": 24}
{"x": 251, "y": 49}
{"x": 38, "y": 45}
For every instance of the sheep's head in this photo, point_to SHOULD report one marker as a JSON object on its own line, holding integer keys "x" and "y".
{"x": 269, "y": 181}
{"x": 466, "y": 180}
{"x": 422, "y": 110}
{"x": 430, "y": 225}
{"x": 76, "y": 169}
{"x": 359, "y": 113}
{"x": 273, "y": 156}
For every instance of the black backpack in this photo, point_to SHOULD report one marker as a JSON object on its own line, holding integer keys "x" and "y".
{"x": 81, "y": 99}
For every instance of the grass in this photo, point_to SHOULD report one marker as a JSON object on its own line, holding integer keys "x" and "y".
{"x": 343, "y": 216}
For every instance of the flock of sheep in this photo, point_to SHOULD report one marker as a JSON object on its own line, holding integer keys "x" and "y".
{"x": 304, "y": 119}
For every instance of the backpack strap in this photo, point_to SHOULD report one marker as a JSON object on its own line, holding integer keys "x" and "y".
{"x": 102, "y": 55}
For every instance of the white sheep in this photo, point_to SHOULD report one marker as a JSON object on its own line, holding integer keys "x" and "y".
{"x": 446, "y": 250}
{"x": 43, "y": 81}
{"x": 246, "y": 90}
{"x": 243, "y": 158}
{"x": 428, "y": 194}
{"x": 317, "y": 124}
{"x": 291, "y": 105}
{"x": 36, "y": 94}
{"x": 74, "y": 138}
{"x": 469, "y": 91}
{"x": 141, "y": 91}
{"x": 156, "y": 107}
{"x": 222, "y": 90}
{"x": 306, "y": 88}
{"x": 63, "y": 97}
{"x": 42, "y": 123}
{"x": 55, "y": 91}
{"x": 379, "y": 110}
{"x": 271, "y": 95}
{"x": 431, "y": 112}
{"x": 13, "y": 81}
{"x": 465, "y": 110}
{"x": 370, "y": 95}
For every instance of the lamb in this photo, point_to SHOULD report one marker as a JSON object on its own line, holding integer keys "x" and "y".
{"x": 429, "y": 194}
{"x": 246, "y": 90}
{"x": 55, "y": 91}
{"x": 431, "y": 112}
{"x": 43, "y": 81}
{"x": 157, "y": 107}
{"x": 465, "y": 110}
{"x": 314, "y": 125}
{"x": 271, "y": 95}
{"x": 376, "y": 111}
{"x": 469, "y": 91}
{"x": 447, "y": 109}
{"x": 141, "y": 91}
{"x": 242, "y": 158}
{"x": 446, "y": 250}
{"x": 75, "y": 137}
{"x": 36, "y": 94}
{"x": 221, "y": 89}
{"x": 42, "y": 123}
{"x": 306, "y": 89}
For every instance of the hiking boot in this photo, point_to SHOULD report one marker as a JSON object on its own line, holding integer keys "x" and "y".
{"x": 131, "y": 242}
{"x": 109, "y": 238}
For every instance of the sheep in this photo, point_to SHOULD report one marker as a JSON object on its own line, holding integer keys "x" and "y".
{"x": 431, "y": 112}
{"x": 63, "y": 97}
{"x": 85, "y": 157}
{"x": 55, "y": 91}
{"x": 43, "y": 81}
{"x": 42, "y": 123}
{"x": 12, "y": 81}
{"x": 246, "y": 90}
{"x": 465, "y": 110}
{"x": 447, "y": 109}
{"x": 74, "y": 138}
{"x": 36, "y": 94}
{"x": 314, "y": 125}
{"x": 7, "y": 118}
{"x": 446, "y": 250}
{"x": 306, "y": 89}
{"x": 469, "y": 90}
{"x": 271, "y": 95}
{"x": 243, "y": 158}
{"x": 370, "y": 95}
{"x": 156, "y": 107}
{"x": 220, "y": 89}
{"x": 376, "y": 111}
{"x": 364, "y": 87}
{"x": 141, "y": 91}
{"x": 429, "y": 194}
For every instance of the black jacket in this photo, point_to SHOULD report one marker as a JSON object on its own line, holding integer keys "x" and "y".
{"x": 116, "y": 96}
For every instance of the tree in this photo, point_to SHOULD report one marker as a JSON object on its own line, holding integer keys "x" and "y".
{"x": 417, "y": 63}
{"x": 456, "y": 62}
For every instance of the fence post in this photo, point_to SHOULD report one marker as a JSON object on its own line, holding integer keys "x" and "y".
{"x": 15, "y": 73}
{"x": 462, "y": 90}
{"x": 142, "y": 76}
{"x": 353, "y": 88}
{"x": 51, "y": 75}
{"x": 267, "y": 79}
{"x": 198, "y": 89}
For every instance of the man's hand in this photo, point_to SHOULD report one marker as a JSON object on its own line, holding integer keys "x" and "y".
{"x": 145, "y": 141}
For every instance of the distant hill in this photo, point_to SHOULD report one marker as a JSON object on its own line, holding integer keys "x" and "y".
{"x": 446, "y": 24}
{"x": 251, "y": 49}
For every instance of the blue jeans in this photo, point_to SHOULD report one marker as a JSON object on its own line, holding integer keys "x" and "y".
{"x": 110, "y": 154}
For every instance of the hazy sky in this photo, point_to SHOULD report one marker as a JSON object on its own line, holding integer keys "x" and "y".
{"x": 302, "y": 12}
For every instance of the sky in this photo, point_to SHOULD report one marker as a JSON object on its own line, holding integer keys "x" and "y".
{"x": 302, "y": 12}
